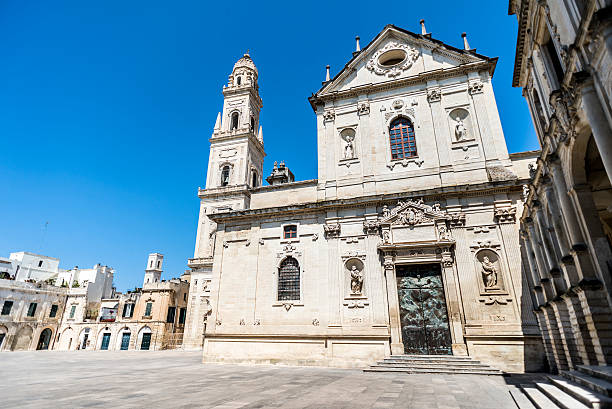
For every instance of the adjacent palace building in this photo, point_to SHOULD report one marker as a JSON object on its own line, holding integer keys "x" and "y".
{"x": 408, "y": 241}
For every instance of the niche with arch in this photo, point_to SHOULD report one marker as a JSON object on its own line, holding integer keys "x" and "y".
{"x": 355, "y": 278}
{"x": 489, "y": 272}
{"x": 461, "y": 127}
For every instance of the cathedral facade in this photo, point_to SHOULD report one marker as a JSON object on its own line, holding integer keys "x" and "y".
{"x": 406, "y": 243}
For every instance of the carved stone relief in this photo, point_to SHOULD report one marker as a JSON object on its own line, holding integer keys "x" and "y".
{"x": 475, "y": 87}
{"x": 331, "y": 230}
{"x": 505, "y": 215}
{"x": 363, "y": 108}
{"x": 410, "y": 56}
{"x": 329, "y": 116}
{"x": 434, "y": 95}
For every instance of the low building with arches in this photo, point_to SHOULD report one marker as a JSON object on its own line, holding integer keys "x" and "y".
{"x": 30, "y": 315}
{"x": 408, "y": 240}
{"x": 148, "y": 318}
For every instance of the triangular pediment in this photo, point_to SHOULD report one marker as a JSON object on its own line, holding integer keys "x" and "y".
{"x": 397, "y": 54}
{"x": 411, "y": 213}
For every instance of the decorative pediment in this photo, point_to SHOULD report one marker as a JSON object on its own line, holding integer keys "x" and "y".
{"x": 397, "y": 53}
{"x": 411, "y": 213}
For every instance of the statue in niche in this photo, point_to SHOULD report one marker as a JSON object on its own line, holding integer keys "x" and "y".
{"x": 349, "y": 151}
{"x": 489, "y": 272}
{"x": 460, "y": 130}
{"x": 386, "y": 236}
{"x": 385, "y": 211}
{"x": 356, "y": 280}
{"x": 444, "y": 233}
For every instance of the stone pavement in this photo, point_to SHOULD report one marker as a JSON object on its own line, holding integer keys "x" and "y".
{"x": 177, "y": 379}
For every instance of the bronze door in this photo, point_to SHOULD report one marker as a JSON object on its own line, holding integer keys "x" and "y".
{"x": 423, "y": 316}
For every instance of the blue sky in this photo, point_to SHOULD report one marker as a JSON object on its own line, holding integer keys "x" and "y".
{"x": 106, "y": 109}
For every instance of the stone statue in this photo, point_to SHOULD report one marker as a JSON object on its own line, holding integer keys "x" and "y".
{"x": 460, "y": 130}
{"x": 356, "y": 280}
{"x": 386, "y": 237}
{"x": 385, "y": 211}
{"x": 444, "y": 233}
{"x": 489, "y": 272}
{"x": 349, "y": 152}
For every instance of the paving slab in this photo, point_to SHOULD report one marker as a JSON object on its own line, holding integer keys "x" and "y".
{"x": 178, "y": 379}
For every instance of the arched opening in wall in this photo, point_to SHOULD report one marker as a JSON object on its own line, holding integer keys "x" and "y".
{"x": 252, "y": 124}
{"x": 104, "y": 338}
{"x": 44, "y": 340}
{"x": 3, "y": 332}
{"x": 144, "y": 338}
{"x": 123, "y": 339}
{"x": 461, "y": 125}
{"x": 255, "y": 180}
{"x": 225, "y": 175}
{"x": 238, "y": 80}
{"x": 23, "y": 339}
{"x": 158, "y": 264}
{"x": 289, "y": 280}
{"x": 84, "y": 339}
{"x": 234, "y": 122}
{"x": 66, "y": 340}
{"x": 599, "y": 182}
{"x": 402, "y": 139}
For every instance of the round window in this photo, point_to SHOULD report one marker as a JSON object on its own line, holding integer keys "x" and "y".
{"x": 392, "y": 57}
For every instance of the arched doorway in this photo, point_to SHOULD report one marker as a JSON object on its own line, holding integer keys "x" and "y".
{"x": 123, "y": 339}
{"x": 44, "y": 339}
{"x": 66, "y": 340}
{"x": 104, "y": 338}
{"x": 23, "y": 339}
{"x": 3, "y": 332}
{"x": 144, "y": 338}
{"x": 84, "y": 339}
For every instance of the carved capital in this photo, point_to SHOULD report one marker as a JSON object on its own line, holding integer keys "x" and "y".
{"x": 505, "y": 215}
{"x": 371, "y": 227}
{"x": 456, "y": 219}
{"x": 434, "y": 95}
{"x": 363, "y": 108}
{"x": 475, "y": 87}
{"x": 332, "y": 230}
{"x": 329, "y": 116}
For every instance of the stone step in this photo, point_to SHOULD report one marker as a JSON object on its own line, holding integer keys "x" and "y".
{"x": 521, "y": 400}
{"x": 537, "y": 397}
{"x": 562, "y": 399}
{"x": 442, "y": 367}
{"x": 438, "y": 361}
{"x": 436, "y": 370}
{"x": 586, "y": 396}
{"x": 601, "y": 372}
{"x": 432, "y": 357}
{"x": 598, "y": 385}
{"x": 432, "y": 364}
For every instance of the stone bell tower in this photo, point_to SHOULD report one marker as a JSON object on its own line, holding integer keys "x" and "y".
{"x": 236, "y": 156}
{"x": 154, "y": 268}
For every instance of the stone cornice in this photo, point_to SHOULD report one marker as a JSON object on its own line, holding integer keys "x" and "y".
{"x": 420, "y": 78}
{"x": 236, "y": 135}
{"x": 224, "y": 192}
{"x": 426, "y": 194}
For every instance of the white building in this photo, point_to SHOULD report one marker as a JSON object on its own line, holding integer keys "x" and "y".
{"x": 414, "y": 209}
{"x": 26, "y": 266}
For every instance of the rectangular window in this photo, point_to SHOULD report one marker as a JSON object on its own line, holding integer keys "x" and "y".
{"x": 6, "y": 308}
{"x": 171, "y": 313}
{"x": 148, "y": 309}
{"x": 32, "y": 309}
{"x": 53, "y": 312}
{"x": 128, "y": 310}
{"x": 182, "y": 315}
{"x": 290, "y": 232}
{"x": 72, "y": 311}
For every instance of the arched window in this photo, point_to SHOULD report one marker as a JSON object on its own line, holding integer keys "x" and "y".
{"x": 234, "y": 124}
{"x": 401, "y": 137}
{"x": 225, "y": 175}
{"x": 238, "y": 80}
{"x": 252, "y": 124}
{"x": 289, "y": 280}
{"x": 158, "y": 264}
{"x": 255, "y": 180}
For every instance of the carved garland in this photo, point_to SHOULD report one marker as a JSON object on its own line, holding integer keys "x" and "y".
{"x": 393, "y": 71}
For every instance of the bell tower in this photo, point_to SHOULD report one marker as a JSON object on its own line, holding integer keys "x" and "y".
{"x": 236, "y": 155}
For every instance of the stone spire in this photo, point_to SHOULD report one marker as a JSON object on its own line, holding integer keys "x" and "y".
{"x": 466, "y": 45}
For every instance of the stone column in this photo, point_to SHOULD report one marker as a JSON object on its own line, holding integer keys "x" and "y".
{"x": 599, "y": 124}
{"x": 376, "y": 286}
{"x": 482, "y": 118}
{"x": 453, "y": 301}
{"x": 548, "y": 347}
{"x": 335, "y": 282}
{"x": 566, "y": 334}
{"x": 542, "y": 267}
{"x": 555, "y": 338}
{"x": 580, "y": 329}
{"x": 397, "y": 347}
{"x": 598, "y": 320}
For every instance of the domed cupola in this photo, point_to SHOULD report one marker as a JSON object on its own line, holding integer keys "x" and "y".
{"x": 244, "y": 73}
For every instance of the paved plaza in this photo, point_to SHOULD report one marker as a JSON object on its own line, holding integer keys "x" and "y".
{"x": 177, "y": 379}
